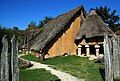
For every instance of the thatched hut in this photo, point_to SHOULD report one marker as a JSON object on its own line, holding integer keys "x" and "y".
{"x": 91, "y": 35}
{"x": 59, "y": 34}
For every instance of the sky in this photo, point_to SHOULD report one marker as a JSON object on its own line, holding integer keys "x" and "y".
{"x": 20, "y": 13}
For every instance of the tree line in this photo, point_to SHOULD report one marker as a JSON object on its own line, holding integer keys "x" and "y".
{"x": 109, "y": 17}
{"x": 32, "y": 25}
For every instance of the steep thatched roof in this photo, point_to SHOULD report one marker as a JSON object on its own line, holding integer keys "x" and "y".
{"x": 52, "y": 28}
{"x": 93, "y": 26}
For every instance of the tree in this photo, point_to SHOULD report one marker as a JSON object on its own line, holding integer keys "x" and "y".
{"x": 0, "y": 27}
{"x": 15, "y": 28}
{"x": 9, "y": 32}
{"x": 32, "y": 25}
{"x": 41, "y": 24}
{"x": 108, "y": 16}
{"x": 44, "y": 21}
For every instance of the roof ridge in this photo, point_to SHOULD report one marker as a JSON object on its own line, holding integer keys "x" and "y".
{"x": 77, "y": 8}
{"x": 92, "y": 12}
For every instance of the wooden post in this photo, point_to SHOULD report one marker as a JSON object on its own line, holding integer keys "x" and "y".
{"x": 14, "y": 59}
{"x": 79, "y": 50}
{"x": 116, "y": 59}
{"x": 42, "y": 56}
{"x": 4, "y": 67}
{"x": 97, "y": 50}
{"x": 108, "y": 59}
{"x": 87, "y": 50}
{"x": 119, "y": 56}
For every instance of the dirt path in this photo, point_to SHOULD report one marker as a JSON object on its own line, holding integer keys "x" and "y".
{"x": 61, "y": 75}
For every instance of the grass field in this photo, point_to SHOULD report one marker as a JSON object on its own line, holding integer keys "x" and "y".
{"x": 31, "y": 58}
{"x": 74, "y": 65}
{"x": 36, "y": 75}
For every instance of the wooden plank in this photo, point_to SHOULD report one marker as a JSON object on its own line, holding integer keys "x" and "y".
{"x": 115, "y": 57}
{"x": 108, "y": 59}
{"x": 119, "y": 55}
{"x": 4, "y": 74}
{"x": 14, "y": 59}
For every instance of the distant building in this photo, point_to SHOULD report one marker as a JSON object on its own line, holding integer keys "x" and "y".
{"x": 91, "y": 35}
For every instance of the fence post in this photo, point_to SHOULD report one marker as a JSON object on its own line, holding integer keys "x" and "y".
{"x": 14, "y": 59}
{"x": 115, "y": 57}
{"x": 119, "y": 55}
{"x": 4, "y": 67}
{"x": 116, "y": 60}
{"x": 108, "y": 59}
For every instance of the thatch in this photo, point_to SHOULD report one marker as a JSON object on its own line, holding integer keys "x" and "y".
{"x": 32, "y": 34}
{"x": 93, "y": 26}
{"x": 52, "y": 28}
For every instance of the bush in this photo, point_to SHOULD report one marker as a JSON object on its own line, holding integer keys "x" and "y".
{"x": 24, "y": 64}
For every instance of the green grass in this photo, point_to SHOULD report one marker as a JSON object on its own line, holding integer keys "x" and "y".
{"x": 77, "y": 66}
{"x": 74, "y": 65}
{"x": 36, "y": 75}
{"x": 31, "y": 58}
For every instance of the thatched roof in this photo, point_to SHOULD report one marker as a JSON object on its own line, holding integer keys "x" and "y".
{"x": 52, "y": 28}
{"x": 93, "y": 26}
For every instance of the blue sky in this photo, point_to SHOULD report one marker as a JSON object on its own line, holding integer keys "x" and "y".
{"x": 21, "y": 12}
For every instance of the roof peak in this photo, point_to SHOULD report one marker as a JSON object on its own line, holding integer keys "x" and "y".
{"x": 92, "y": 12}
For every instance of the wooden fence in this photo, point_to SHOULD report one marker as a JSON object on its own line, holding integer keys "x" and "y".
{"x": 112, "y": 57}
{"x": 9, "y": 61}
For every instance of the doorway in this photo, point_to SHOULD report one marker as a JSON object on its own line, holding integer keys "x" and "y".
{"x": 83, "y": 50}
